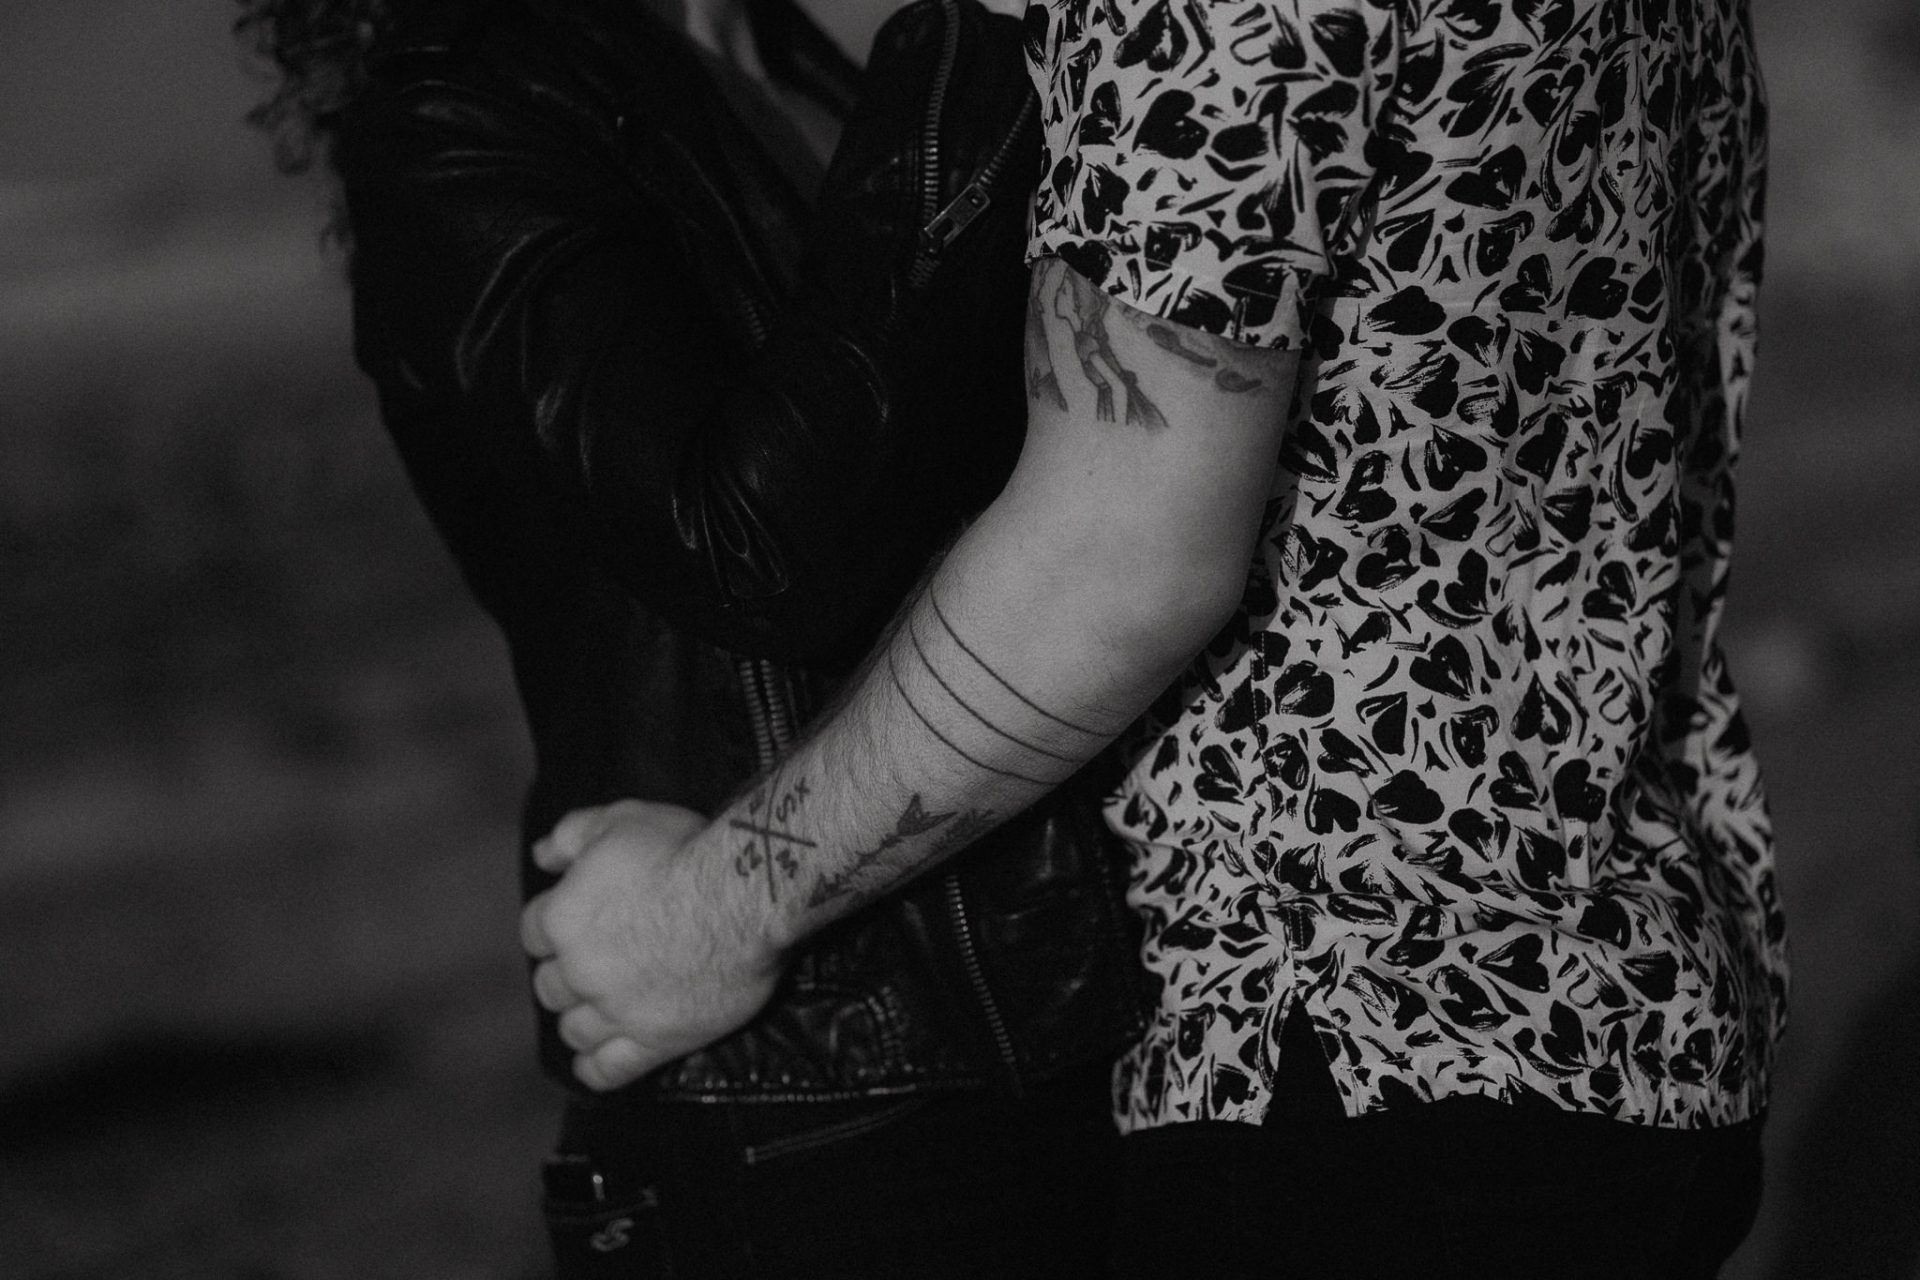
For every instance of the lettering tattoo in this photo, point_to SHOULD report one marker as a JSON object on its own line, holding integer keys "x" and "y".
{"x": 768, "y": 845}
{"x": 954, "y": 830}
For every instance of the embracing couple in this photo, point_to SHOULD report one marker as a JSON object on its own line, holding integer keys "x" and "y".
{"x": 1117, "y": 607}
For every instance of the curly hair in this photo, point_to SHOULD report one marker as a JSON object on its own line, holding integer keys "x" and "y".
{"x": 318, "y": 49}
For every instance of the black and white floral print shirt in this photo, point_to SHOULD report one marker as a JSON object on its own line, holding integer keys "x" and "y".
{"x": 1468, "y": 774}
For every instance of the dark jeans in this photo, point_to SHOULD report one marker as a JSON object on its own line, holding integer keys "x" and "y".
{"x": 934, "y": 1186}
{"x": 1464, "y": 1187}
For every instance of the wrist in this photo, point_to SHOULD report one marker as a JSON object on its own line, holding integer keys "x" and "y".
{"x": 746, "y": 924}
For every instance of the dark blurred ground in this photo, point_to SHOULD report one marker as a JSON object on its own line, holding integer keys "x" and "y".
{"x": 259, "y": 766}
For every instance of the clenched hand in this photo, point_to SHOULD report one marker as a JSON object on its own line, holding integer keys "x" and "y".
{"x": 637, "y": 955}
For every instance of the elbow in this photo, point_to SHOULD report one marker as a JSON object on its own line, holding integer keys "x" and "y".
{"x": 1170, "y": 610}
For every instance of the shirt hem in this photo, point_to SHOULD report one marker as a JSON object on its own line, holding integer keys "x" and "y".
{"x": 1655, "y": 1104}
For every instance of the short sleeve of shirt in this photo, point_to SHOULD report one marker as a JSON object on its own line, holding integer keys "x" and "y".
{"x": 1205, "y": 159}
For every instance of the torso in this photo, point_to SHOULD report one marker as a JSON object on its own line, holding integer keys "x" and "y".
{"x": 1472, "y": 782}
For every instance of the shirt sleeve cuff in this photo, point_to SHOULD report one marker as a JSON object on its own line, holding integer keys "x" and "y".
{"x": 1259, "y": 304}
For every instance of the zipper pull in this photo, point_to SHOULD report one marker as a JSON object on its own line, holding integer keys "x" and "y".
{"x": 947, "y": 225}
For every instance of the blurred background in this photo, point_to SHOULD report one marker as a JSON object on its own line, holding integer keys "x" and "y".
{"x": 259, "y": 756}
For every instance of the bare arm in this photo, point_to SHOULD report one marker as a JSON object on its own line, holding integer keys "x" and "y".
{"x": 1119, "y": 547}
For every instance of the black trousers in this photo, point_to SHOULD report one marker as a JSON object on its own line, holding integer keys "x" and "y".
{"x": 1459, "y": 1188}
{"x": 939, "y": 1186}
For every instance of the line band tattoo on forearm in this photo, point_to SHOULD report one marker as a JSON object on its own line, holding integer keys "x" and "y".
{"x": 940, "y": 615}
{"x": 955, "y": 719}
{"x": 893, "y": 673}
{"x": 914, "y": 638}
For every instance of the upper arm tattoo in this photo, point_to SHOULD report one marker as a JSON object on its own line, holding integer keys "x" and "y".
{"x": 1042, "y": 382}
{"x": 1059, "y": 294}
{"x": 1085, "y": 311}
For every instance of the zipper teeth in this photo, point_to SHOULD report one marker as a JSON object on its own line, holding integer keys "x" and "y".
{"x": 780, "y": 727}
{"x": 756, "y": 317}
{"x": 936, "y": 108}
{"x": 759, "y": 713}
{"x": 970, "y": 955}
{"x": 925, "y": 259}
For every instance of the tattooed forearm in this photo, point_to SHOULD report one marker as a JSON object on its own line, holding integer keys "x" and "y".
{"x": 946, "y": 686}
{"x": 766, "y": 843}
{"x": 949, "y": 689}
{"x": 952, "y": 830}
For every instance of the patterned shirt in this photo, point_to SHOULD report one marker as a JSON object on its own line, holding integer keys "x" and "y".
{"x": 1467, "y": 775}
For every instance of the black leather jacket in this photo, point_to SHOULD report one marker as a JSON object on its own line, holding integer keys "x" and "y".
{"x": 691, "y": 440}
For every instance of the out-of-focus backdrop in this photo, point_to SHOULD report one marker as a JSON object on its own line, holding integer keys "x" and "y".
{"x": 261, "y": 1010}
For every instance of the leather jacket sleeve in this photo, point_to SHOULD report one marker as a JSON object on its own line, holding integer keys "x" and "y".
{"x": 532, "y": 247}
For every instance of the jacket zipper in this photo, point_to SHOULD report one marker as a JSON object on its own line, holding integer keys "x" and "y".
{"x": 966, "y": 207}
{"x": 976, "y": 976}
{"x": 937, "y": 110}
{"x": 769, "y": 720}
{"x": 945, "y": 227}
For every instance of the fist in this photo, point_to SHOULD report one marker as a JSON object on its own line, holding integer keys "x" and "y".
{"x": 642, "y": 950}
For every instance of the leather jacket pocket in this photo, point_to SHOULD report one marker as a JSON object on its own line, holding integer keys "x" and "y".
{"x": 857, "y": 1121}
{"x": 602, "y": 1227}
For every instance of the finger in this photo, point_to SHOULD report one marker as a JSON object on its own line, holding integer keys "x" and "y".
{"x": 534, "y": 939}
{"x": 551, "y": 989}
{"x": 548, "y": 856}
{"x": 616, "y": 1062}
{"x": 571, "y": 835}
{"x": 583, "y": 1028}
